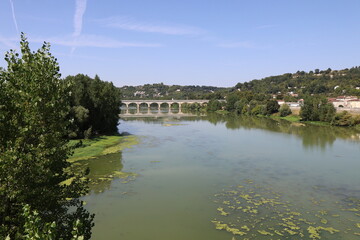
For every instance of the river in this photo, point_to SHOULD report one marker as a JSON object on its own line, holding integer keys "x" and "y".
{"x": 252, "y": 178}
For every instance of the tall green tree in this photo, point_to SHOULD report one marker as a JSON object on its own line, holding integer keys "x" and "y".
{"x": 95, "y": 105}
{"x": 272, "y": 106}
{"x": 34, "y": 108}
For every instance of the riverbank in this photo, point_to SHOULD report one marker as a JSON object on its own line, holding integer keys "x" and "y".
{"x": 102, "y": 156}
{"x": 297, "y": 118}
{"x": 102, "y": 145}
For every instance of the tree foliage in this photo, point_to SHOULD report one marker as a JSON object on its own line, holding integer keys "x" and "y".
{"x": 272, "y": 106}
{"x": 214, "y": 105}
{"x": 317, "y": 108}
{"x": 329, "y": 82}
{"x": 95, "y": 106}
{"x": 34, "y": 108}
{"x": 344, "y": 118}
{"x": 284, "y": 110}
{"x": 162, "y": 91}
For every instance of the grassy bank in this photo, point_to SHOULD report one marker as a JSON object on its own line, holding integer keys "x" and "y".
{"x": 222, "y": 112}
{"x": 290, "y": 118}
{"x": 99, "y": 156}
{"x": 102, "y": 145}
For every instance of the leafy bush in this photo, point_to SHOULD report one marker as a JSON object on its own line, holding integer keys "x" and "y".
{"x": 258, "y": 110}
{"x": 285, "y": 110}
{"x": 213, "y": 106}
{"x": 272, "y": 106}
{"x": 345, "y": 119}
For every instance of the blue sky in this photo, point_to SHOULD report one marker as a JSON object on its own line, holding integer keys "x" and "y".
{"x": 187, "y": 42}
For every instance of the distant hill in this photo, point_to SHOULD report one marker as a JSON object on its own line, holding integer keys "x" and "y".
{"x": 330, "y": 82}
{"x": 162, "y": 91}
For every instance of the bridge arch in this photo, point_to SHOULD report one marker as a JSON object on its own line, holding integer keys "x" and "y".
{"x": 143, "y": 104}
{"x": 159, "y": 103}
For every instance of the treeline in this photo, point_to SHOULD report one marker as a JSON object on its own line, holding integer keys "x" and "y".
{"x": 313, "y": 108}
{"x": 317, "y": 108}
{"x": 325, "y": 82}
{"x": 162, "y": 91}
{"x": 95, "y": 106}
{"x": 329, "y": 82}
{"x": 248, "y": 103}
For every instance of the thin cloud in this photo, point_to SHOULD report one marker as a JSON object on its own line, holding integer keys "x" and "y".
{"x": 78, "y": 19}
{"x": 126, "y": 23}
{"x": 9, "y": 43}
{"x": 236, "y": 45}
{"x": 82, "y": 41}
{"x": 92, "y": 41}
{"x": 14, "y": 17}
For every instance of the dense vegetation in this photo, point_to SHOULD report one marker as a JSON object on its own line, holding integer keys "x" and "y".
{"x": 246, "y": 103}
{"x": 314, "y": 108}
{"x": 317, "y": 108}
{"x": 161, "y": 91}
{"x": 330, "y": 82}
{"x": 327, "y": 82}
{"x": 95, "y": 106}
{"x": 34, "y": 126}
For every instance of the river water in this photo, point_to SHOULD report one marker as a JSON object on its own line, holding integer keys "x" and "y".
{"x": 252, "y": 178}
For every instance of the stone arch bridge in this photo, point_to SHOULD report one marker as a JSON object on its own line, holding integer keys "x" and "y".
{"x": 148, "y": 103}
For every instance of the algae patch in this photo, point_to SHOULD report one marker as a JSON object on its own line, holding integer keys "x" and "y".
{"x": 261, "y": 213}
{"x": 103, "y": 157}
{"x": 90, "y": 148}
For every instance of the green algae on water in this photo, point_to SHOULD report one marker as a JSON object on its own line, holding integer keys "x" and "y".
{"x": 102, "y": 145}
{"x": 103, "y": 157}
{"x": 272, "y": 217}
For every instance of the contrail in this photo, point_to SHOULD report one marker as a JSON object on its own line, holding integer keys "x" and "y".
{"x": 14, "y": 17}
{"x": 78, "y": 19}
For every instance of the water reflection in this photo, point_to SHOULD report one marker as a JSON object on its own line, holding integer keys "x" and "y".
{"x": 143, "y": 111}
{"x": 184, "y": 166}
{"x": 312, "y": 136}
{"x": 103, "y": 169}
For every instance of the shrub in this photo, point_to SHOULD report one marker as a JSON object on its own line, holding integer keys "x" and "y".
{"x": 285, "y": 110}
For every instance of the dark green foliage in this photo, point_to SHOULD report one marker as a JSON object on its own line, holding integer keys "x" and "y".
{"x": 258, "y": 110}
{"x": 231, "y": 99}
{"x": 284, "y": 110}
{"x": 240, "y": 106}
{"x": 318, "y": 82}
{"x": 162, "y": 91}
{"x": 214, "y": 105}
{"x": 34, "y": 106}
{"x": 242, "y": 101}
{"x": 310, "y": 110}
{"x": 252, "y": 104}
{"x": 317, "y": 108}
{"x": 272, "y": 106}
{"x": 326, "y": 112}
{"x": 95, "y": 106}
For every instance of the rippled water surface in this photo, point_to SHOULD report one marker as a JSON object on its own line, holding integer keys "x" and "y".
{"x": 252, "y": 178}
